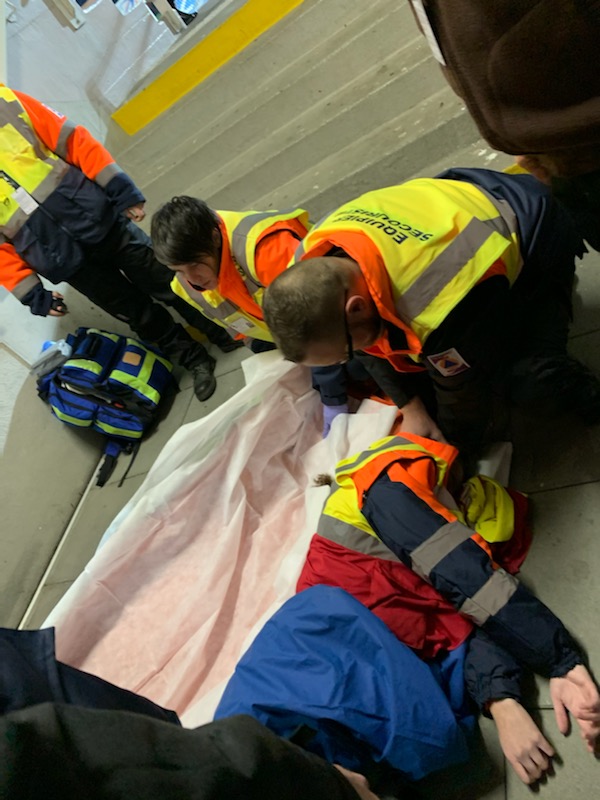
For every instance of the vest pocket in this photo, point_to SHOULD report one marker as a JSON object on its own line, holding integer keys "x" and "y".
{"x": 119, "y": 423}
{"x": 47, "y": 247}
{"x": 82, "y": 208}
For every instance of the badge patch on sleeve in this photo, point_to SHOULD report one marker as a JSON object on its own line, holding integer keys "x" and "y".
{"x": 448, "y": 363}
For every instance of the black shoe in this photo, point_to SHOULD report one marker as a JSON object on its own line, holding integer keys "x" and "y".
{"x": 205, "y": 382}
{"x": 557, "y": 384}
{"x": 230, "y": 346}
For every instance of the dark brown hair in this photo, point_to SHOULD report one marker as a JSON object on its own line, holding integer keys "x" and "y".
{"x": 182, "y": 230}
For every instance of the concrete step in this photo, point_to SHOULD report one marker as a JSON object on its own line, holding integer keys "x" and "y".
{"x": 336, "y": 99}
{"x": 388, "y": 154}
{"x": 478, "y": 154}
{"x": 257, "y": 163}
{"x": 267, "y": 83}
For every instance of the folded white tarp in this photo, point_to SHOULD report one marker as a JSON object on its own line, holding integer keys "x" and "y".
{"x": 212, "y": 543}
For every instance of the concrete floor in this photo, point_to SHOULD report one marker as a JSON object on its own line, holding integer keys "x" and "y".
{"x": 558, "y": 465}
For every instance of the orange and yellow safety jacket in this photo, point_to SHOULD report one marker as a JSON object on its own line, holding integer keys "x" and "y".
{"x": 60, "y": 190}
{"x": 421, "y": 247}
{"x": 389, "y": 498}
{"x": 256, "y": 248}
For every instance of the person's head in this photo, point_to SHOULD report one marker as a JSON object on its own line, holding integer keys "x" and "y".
{"x": 319, "y": 311}
{"x": 186, "y": 238}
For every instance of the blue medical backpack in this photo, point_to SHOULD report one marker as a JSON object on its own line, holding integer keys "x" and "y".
{"x": 112, "y": 384}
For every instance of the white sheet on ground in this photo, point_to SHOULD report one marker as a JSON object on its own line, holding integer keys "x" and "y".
{"x": 212, "y": 543}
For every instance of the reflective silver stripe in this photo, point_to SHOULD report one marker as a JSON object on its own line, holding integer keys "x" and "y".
{"x": 10, "y": 113}
{"x": 222, "y": 311}
{"x": 335, "y": 530}
{"x": 26, "y": 285}
{"x": 491, "y": 598}
{"x": 429, "y": 554}
{"x": 299, "y": 252}
{"x": 510, "y": 218}
{"x": 397, "y": 441}
{"x": 504, "y": 209}
{"x": 63, "y": 137}
{"x": 43, "y": 190}
{"x": 40, "y": 193}
{"x": 15, "y": 223}
{"x": 239, "y": 237}
{"x": 301, "y": 249}
{"x": 107, "y": 174}
{"x": 446, "y": 266}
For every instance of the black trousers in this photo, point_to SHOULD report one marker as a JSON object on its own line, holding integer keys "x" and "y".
{"x": 122, "y": 276}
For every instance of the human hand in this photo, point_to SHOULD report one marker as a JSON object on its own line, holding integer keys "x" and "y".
{"x": 58, "y": 307}
{"x": 358, "y": 782}
{"x": 329, "y": 414}
{"x": 577, "y": 693}
{"x": 523, "y": 745}
{"x": 415, "y": 419}
{"x": 135, "y": 213}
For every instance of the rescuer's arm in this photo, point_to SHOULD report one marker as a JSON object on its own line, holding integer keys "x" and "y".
{"x": 76, "y": 145}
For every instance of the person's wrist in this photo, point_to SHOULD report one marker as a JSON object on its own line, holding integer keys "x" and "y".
{"x": 572, "y": 671}
{"x": 503, "y": 705}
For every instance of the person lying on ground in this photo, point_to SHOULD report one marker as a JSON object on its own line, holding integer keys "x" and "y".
{"x": 434, "y": 569}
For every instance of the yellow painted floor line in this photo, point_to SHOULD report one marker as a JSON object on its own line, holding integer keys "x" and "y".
{"x": 246, "y": 24}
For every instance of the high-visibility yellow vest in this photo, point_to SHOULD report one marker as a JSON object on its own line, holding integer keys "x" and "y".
{"x": 244, "y": 230}
{"x": 27, "y": 167}
{"x": 486, "y": 507}
{"x": 428, "y": 240}
{"x": 342, "y": 504}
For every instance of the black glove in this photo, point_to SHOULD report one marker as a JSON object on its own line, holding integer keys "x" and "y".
{"x": 39, "y": 300}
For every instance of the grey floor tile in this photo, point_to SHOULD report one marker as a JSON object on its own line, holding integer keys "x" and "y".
{"x": 564, "y": 563}
{"x": 100, "y": 507}
{"x": 586, "y": 298}
{"x": 227, "y": 385}
{"x": 172, "y": 417}
{"x": 48, "y": 597}
{"x": 577, "y": 774}
{"x": 226, "y": 362}
{"x": 551, "y": 456}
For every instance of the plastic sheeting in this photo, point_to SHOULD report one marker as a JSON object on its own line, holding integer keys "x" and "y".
{"x": 212, "y": 543}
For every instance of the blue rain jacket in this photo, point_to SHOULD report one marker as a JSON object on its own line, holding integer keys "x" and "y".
{"x": 326, "y": 663}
